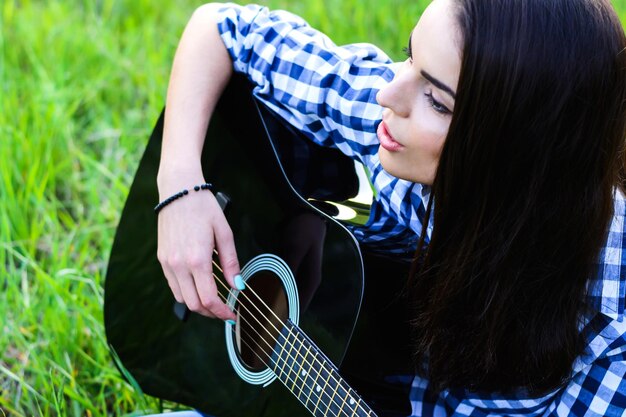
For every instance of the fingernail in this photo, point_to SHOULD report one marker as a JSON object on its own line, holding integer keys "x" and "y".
{"x": 231, "y": 322}
{"x": 239, "y": 283}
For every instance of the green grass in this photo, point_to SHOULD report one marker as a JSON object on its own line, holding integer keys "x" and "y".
{"x": 82, "y": 85}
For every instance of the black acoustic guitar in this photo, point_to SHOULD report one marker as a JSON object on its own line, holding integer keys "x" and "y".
{"x": 320, "y": 314}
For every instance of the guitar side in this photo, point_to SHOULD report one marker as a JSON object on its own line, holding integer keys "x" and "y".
{"x": 186, "y": 362}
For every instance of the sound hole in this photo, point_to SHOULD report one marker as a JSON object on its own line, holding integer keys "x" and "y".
{"x": 261, "y": 309}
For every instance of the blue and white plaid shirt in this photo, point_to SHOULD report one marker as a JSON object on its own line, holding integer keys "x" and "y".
{"x": 328, "y": 93}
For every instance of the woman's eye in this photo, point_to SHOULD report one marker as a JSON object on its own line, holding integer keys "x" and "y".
{"x": 437, "y": 106}
{"x": 407, "y": 52}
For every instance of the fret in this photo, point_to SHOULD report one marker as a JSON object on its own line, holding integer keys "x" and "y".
{"x": 291, "y": 358}
{"x": 316, "y": 366}
{"x": 322, "y": 389}
{"x": 342, "y": 400}
{"x": 297, "y": 361}
{"x": 275, "y": 356}
{"x": 284, "y": 348}
{"x": 303, "y": 374}
{"x": 346, "y": 399}
{"x": 363, "y": 411}
{"x": 355, "y": 404}
{"x": 332, "y": 401}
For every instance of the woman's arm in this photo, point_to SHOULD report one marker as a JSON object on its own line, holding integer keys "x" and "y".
{"x": 190, "y": 228}
{"x": 325, "y": 91}
{"x": 200, "y": 72}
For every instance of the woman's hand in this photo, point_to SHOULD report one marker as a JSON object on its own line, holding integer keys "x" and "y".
{"x": 190, "y": 228}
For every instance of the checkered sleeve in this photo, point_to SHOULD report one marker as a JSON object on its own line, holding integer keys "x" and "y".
{"x": 328, "y": 93}
{"x": 598, "y": 387}
{"x": 325, "y": 91}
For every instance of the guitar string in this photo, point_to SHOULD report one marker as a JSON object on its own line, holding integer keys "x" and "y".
{"x": 279, "y": 320}
{"x": 255, "y": 306}
{"x": 268, "y": 366}
{"x": 227, "y": 288}
{"x": 269, "y": 309}
{"x": 291, "y": 357}
{"x": 289, "y": 379}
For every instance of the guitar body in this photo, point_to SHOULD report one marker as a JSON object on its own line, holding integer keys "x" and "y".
{"x": 276, "y": 208}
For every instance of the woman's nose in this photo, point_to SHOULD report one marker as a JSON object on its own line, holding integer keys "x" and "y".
{"x": 394, "y": 96}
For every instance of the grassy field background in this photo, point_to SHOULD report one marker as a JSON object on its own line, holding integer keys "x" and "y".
{"x": 82, "y": 84}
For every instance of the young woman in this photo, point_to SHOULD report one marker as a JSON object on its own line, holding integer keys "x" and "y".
{"x": 496, "y": 150}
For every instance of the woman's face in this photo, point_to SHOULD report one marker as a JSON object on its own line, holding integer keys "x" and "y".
{"x": 418, "y": 103}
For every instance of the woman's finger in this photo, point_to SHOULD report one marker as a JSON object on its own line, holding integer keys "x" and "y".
{"x": 207, "y": 289}
{"x": 190, "y": 294}
{"x": 227, "y": 253}
{"x": 172, "y": 282}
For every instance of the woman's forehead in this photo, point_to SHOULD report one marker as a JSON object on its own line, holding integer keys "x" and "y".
{"x": 436, "y": 42}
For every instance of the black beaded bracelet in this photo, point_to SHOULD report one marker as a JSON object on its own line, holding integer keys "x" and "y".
{"x": 159, "y": 207}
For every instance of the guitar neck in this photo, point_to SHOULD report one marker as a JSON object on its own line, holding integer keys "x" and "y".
{"x": 313, "y": 378}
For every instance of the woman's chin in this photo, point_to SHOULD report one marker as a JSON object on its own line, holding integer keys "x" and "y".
{"x": 403, "y": 171}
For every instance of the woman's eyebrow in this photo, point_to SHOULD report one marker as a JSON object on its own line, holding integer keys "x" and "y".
{"x": 440, "y": 85}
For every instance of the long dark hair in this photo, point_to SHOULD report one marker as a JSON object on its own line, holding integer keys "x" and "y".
{"x": 523, "y": 194}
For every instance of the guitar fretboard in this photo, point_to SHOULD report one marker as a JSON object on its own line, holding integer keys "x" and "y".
{"x": 313, "y": 378}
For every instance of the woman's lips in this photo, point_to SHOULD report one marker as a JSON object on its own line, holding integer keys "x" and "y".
{"x": 386, "y": 140}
